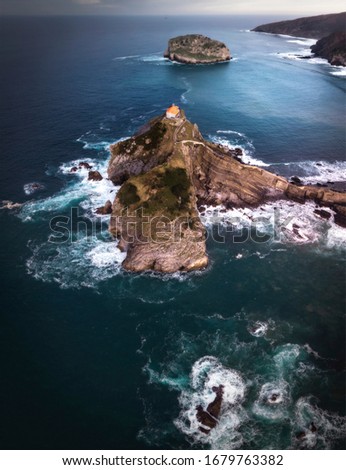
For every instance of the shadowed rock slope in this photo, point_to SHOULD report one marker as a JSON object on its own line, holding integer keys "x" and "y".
{"x": 332, "y": 48}
{"x": 165, "y": 172}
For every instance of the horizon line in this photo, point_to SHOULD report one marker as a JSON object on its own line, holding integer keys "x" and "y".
{"x": 165, "y": 15}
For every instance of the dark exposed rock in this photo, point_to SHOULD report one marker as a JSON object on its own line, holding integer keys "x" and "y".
{"x": 312, "y": 427}
{"x": 296, "y": 180}
{"x": 340, "y": 214}
{"x": 314, "y": 27}
{"x": 209, "y": 418}
{"x": 94, "y": 176}
{"x": 205, "y": 418}
{"x": 322, "y": 213}
{"x": 105, "y": 210}
{"x": 197, "y": 49}
{"x": 74, "y": 169}
{"x": 85, "y": 165}
{"x": 332, "y": 48}
{"x": 214, "y": 407}
{"x": 301, "y": 435}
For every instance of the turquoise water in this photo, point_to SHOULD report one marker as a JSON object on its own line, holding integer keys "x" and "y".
{"x": 93, "y": 357}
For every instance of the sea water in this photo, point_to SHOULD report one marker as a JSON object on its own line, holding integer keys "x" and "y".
{"x": 94, "y": 357}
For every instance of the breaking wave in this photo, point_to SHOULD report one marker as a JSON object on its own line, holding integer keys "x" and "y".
{"x": 305, "y": 54}
{"x": 154, "y": 57}
{"x": 236, "y": 139}
{"x": 206, "y": 374}
{"x": 280, "y": 222}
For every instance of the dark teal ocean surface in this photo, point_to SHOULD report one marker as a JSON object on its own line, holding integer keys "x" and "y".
{"x": 92, "y": 357}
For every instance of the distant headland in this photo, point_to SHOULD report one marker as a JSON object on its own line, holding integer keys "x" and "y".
{"x": 197, "y": 49}
{"x": 330, "y": 30}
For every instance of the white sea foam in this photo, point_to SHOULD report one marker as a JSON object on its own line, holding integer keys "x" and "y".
{"x": 306, "y": 53}
{"x": 31, "y": 188}
{"x": 175, "y": 383}
{"x": 303, "y": 42}
{"x": 311, "y": 172}
{"x": 92, "y": 142}
{"x": 258, "y": 328}
{"x": 318, "y": 61}
{"x": 207, "y": 373}
{"x": 285, "y": 359}
{"x": 239, "y": 141}
{"x": 294, "y": 55}
{"x": 273, "y": 401}
{"x": 339, "y": 71}
{"x": 314, "y": 427}
{"x": 82, "y": 263}
{"x": 282, "y": 222}
{"x": 84, "y": 193}
{"x": 183, "y": 97}
{"x": 125, "y": 57}
{"x": 299, "y": 53}
{"x": 231, "y": 132}
{"x": 154, "y": 57}
{"x": 85, "y": 258}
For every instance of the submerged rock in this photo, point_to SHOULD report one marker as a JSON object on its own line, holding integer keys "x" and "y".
{"x": 197, "y": 49}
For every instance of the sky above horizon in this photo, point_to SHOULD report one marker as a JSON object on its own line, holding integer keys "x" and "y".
{"x": 169, "y": 7}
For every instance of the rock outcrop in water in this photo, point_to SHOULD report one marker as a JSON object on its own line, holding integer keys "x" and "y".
{"x": 166, "y": 171}
{"x": 314, "y": 27}
{"x": 197, "y": 49}
{"x": 209, "y": 418}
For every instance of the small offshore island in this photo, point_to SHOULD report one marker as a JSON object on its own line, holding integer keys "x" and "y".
{"x": 197, "y": 49}
{"x": 330, "y": 30}
{"x": 166, "y": 172}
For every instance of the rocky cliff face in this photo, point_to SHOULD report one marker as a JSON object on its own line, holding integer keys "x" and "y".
{"x": 166, "y": 171}
{"x": 314, "y": 27}
{"x": 155, "y": 214}
{"x": 197, "y": 49}
{"x": 332, "y": 48}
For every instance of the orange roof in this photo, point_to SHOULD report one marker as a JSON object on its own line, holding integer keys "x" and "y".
{"x": 173, "y": 110}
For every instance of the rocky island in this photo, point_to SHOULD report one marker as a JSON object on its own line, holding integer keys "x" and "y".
{"x": 197, "y": 49}
{"x": 166, "y": 172}
{"x": 329, "y": 29}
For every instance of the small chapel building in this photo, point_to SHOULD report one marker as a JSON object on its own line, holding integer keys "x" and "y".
{"x": 173, "y": 112}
